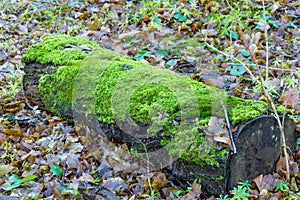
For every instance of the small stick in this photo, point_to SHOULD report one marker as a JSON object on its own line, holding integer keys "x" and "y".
{"x": 229, "y": 129}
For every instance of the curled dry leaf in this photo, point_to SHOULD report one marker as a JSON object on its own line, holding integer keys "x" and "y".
{"x": 258, "y": 182}
{"x": 224, "y": 140}
{"x": 291, "y": 99}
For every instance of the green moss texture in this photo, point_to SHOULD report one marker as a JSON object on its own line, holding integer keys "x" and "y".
{"x": 116, "y": 88}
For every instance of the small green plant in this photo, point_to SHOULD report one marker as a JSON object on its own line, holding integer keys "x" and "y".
{"x": 188, "y": 189}
{"x": 15, "y": 181}
{"x": 240, "y": 193}
{"x": 182, "y": 191}
{"x": 153, "y": 195}
{"x": 94, "y": 171}
{"x": 97, "y": 180}
{"x": 245, "y": 184}
{"x": 226, "y": 197}
{"x": 282, "y": 186}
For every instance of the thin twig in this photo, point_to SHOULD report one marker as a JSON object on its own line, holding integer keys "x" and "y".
{"x": 148, "y": 166}
{"x": 267, "y": 40}
{"x": 265, "y": 90}
{"x": 281, "y": 128}
{"x": 228, "y": 126}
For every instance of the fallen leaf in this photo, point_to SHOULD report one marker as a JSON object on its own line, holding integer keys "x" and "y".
{"x": 5, "y": 169}
{"x": 291, "y": 99}
{"x": 221, "y": 139}
{"x": 258, "y": 182}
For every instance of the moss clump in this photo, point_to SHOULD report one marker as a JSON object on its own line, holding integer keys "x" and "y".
{"x": 115, "y": 87}
{"x": 65, "y": 53}
{"x": 58, "y": 50}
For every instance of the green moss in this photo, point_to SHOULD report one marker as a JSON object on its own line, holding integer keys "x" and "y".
{"x": 54, "y": 49}
{"x": 106, "y": 86}
{"x": 56, "y": 90}
{"x": 115, "y": 87}
{"x": 192, "y": 146}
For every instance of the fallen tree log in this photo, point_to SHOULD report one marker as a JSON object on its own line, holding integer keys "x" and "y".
{"x": 151, "y": 109}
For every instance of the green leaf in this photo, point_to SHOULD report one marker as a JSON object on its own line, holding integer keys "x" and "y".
{"x": 14, "y": 181}
{"x": 236, "y": 70}
{"x": 180, "y": 17}
{"x": 291, "y": 24}
{"x": 141, "y": 55}
{"x": 96, "y": 180}
{"x": 56, "y": 170}
{"x": 161, "y": 52}
{"x": 28, "y": 178}
{"x": 234, "y": 35}
{"x": 240, "y": 193}
{"x": 245, "y": 52}
{"x": 273, "y": 23}
{"x": 130, "y": 42}
{"x": 171, "y": 63}
{"x": 157, "y": 20}
{"x": 282, "y": 186}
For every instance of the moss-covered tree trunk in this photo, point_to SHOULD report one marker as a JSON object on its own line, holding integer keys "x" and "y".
{"x": 151, "y": 109}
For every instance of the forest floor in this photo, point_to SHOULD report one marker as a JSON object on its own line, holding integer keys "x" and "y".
{"x": 44, "y": 157}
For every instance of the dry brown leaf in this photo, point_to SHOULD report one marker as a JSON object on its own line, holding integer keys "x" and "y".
{"x": 224, "y": 140}
{"x": 13, "y": 132}
{"x": 291, "y": 99}
{"x": 194, "y": 194}
{"x": 5, "y": 169}
{"x": 159, "y": 180}
{"x": 258, "y": 182}
{"x": 269, "y": 182}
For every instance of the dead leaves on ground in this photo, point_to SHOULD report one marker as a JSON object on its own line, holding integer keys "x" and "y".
{"x": 291, "y": 99}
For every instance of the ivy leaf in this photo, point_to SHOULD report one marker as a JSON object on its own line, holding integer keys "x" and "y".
{"x": 56, "y": 170}
{"x": 141, "y": 55}
{"x": 14, "y": 181}
{"x": 171, "y": 63}
{"x": 236, "y": 70}
{"x": 245, "y": 52}
{"x": 180, "y": 17}
{"x": 162, "y": 52}
{"x": 157, "y": 20}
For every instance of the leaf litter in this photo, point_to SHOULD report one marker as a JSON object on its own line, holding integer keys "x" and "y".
{"x": 43, "y": 156}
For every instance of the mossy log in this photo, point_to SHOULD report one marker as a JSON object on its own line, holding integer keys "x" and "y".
{"x": 147, "y": 107}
